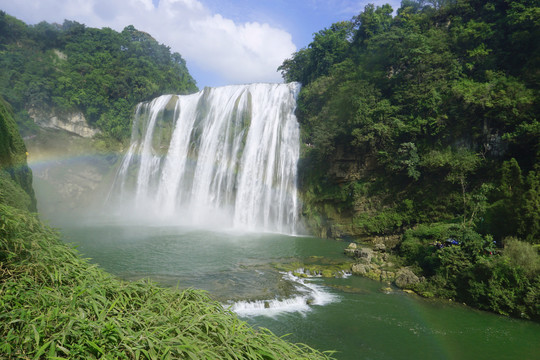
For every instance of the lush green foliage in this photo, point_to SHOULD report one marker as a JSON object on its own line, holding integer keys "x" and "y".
{"x": 53, "y": 304}
{"x": 100, "y": 72}
{"x": 474, "y": 270}
{"x": 424, "y": 124}
{"x": 12, "y": 194}
{"x": 433, "y": 106}
{"x": 15, "y": 176}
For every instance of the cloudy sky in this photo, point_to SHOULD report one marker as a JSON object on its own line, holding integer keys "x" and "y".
{"x": 223, "y": 41}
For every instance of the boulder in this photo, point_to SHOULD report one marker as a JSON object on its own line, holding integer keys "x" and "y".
{"x": 360, "y": 269}
{"x": 405, "y": 278}
{"x": 350, "y": 250}
{"x": 364, "y": 254}
{"x": 387, "y": 275}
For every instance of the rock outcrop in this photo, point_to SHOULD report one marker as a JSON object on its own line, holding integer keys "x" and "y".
{"x": 375, "y": 263}
{"x": 74, "y": 122}
{"x": 405, "y": 278}
{"x": 371, "y": 263}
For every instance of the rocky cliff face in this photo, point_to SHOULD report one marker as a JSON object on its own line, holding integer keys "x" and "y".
{"x": 330, "y": 202}
{"x": 74, "y": 122}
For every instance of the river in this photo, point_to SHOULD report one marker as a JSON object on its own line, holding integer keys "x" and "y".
{"x": 350, "y": 315}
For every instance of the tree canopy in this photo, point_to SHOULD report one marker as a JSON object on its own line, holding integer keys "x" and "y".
{"x": 101, "y": 72}
{"x": 423, "y": 126}
{"x": 444, "y": 91}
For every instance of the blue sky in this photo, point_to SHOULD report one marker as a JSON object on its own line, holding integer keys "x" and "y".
{"x": 223, "y": 41}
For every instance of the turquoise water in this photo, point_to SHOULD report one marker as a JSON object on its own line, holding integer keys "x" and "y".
{"x": 350, "y": 315}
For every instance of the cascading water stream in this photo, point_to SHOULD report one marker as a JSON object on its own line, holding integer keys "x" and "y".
{"x": 224, "y": 157}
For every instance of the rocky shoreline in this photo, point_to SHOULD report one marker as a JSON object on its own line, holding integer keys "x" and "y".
{"x": 376, "y": 263}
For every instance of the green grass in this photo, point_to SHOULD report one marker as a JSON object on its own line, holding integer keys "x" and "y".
{"x": 56, "y": 305}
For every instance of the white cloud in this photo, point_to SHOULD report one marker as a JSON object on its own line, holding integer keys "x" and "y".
{"x": 234, "y": 52}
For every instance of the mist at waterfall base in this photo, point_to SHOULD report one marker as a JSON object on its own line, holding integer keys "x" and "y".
{"x": 206, "y": 198}
{"x": 221, "y": 158}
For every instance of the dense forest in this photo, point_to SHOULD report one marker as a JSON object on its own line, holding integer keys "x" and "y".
{"x": 420, "y": 127}
{"x": 71, "y": 67}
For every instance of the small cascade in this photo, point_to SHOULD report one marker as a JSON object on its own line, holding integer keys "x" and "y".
{"x": 223, "y": 157}
{"x": 310, "y": 295}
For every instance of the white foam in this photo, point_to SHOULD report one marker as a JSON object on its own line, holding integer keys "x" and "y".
{"x": 311, "y": 295}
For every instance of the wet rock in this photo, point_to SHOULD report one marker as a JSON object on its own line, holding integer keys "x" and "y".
{"x": 387, "y": 276}
{"x": 405, "y": 278}
{"x": 350, "y": 250}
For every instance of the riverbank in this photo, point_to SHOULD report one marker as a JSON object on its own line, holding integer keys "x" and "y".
{"x": 56, "y": 304}
{"x": 472, "y": 271}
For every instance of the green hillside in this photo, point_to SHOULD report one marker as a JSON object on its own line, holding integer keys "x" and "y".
{"x": 71, "y": 67}
{"x": 15, "y": 176}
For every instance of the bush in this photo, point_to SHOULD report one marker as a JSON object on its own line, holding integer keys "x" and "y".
{"x": 12, "y": 194}
{"x": 522, "y": 255}
{"x": 469, "y": 269}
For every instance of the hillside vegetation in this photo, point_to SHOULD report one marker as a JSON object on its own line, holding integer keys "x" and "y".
{"x": 15, "y": 176}
{"x": 420, "y": 130}
{"x": 71, "y": 67}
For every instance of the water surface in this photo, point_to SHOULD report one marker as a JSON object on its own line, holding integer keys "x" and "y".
{"x": 351, "y": 315}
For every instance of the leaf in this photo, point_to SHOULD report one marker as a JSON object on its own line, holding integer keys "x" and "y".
{"x": 42, "y": 349}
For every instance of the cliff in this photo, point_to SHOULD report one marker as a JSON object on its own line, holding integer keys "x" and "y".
{"x": 74, "y": 122}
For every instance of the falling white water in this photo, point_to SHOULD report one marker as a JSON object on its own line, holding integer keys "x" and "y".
{"x": 224, "y": 156}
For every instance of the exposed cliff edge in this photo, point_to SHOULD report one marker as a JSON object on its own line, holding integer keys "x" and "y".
{"x": 74, "y": 122}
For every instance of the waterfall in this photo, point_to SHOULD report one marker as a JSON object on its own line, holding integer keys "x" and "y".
{"x": 224, "y": 156}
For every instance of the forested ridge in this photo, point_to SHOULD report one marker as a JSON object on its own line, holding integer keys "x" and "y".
{"x": 72, "y": 67}
{"x": 420, "y": 128}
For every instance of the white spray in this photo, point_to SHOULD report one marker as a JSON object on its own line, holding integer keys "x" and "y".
{"x": 224, "y": 155}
